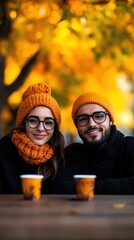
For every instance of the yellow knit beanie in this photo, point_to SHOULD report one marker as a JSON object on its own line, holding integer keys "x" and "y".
{"x": 92, "y": 97}
{"x": 38, "y": 95}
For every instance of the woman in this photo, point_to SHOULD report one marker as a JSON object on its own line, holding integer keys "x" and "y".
{"x": 36, "y": 145}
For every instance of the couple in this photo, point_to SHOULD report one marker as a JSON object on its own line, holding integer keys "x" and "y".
{"x": 36, "y": 146}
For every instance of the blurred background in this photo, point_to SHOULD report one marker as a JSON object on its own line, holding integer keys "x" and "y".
{"x": 72, "y": 45}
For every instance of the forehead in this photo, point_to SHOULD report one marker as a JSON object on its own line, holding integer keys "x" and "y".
{"x": 89, "y": 108}
{"x": 41, "y": 111}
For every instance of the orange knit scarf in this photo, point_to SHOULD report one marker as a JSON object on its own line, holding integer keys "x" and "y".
{"x": 30, "y": 152}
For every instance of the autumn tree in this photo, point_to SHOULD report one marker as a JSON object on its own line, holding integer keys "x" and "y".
{"x": 80, "y": 45}
{"x": 5, "y": 30}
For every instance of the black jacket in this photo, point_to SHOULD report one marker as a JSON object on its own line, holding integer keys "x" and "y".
{"x": 112, "y": 162}
{"x": 12, "y": 166}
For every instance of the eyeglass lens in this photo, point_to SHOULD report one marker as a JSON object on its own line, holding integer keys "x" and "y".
{"x": 33, "y": 122}
{"x": 98, "y": 117}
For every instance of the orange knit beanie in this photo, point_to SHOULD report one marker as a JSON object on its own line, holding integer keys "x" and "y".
{"x": 38, "y": 95}
{"x": 92, "y": 97}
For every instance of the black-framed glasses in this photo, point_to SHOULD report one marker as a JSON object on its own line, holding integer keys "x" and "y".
{"x": 34, "y": 122}
{"x": 98, "y": 117}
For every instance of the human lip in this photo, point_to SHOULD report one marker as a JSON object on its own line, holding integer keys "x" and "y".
{"x": 93, "y": 132}
{"x": 39, "y": 136}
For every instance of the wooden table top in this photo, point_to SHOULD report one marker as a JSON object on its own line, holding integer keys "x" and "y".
{"x": 107, "y": 217}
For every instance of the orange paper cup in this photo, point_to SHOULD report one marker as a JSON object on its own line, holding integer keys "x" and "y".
{"x": 31, "y": 186}
{"x": 85, "y": 186}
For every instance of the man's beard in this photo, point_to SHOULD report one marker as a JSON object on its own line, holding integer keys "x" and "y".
{"x": 94, "y": 142}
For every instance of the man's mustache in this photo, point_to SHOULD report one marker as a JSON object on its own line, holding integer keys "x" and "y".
{"x": 91, "y": 128}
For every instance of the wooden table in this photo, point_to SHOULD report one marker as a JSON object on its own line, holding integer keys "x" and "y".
{"x": 107, "y": 217}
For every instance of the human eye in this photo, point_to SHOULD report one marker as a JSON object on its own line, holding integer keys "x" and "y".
{"x": 99, "y": 115}
{"x": 82, "y": 118}
{"x": 49, "y": 122}
{"x": 33, "y": 120}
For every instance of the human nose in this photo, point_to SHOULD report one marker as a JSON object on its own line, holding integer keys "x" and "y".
{"x": 41, "y": 126}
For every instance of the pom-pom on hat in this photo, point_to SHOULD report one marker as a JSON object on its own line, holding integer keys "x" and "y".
{"x": 38, "y": 95}
{"x": 92, "y": 97}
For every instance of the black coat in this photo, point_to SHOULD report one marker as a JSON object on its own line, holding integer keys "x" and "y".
{"x": 112, "y": 162}
{"x": 12, "y": 166}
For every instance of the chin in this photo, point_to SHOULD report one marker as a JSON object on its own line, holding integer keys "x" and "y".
{"x": 38, "y": 143}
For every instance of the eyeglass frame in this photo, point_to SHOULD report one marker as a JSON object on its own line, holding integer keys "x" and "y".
{"x": 39, "y": 121}
{"x": 91, "y": 115}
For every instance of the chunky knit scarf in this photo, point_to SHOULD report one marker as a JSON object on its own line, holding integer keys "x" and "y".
{"x": 30, "y": 152}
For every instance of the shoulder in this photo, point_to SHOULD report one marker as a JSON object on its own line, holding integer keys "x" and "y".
{"x": 5, "y": 140}
{"x": 129, "y": 141}
{"x": 127, "y": 147}
{"x": 6, "y": 143}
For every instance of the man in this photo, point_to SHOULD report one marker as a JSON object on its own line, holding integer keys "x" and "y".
{"x": 105, "y": 151}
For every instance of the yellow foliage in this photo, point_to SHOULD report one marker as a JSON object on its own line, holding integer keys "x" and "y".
{"x": 6, "y": 115}
{"x": 67, "y": 125}
{"x": 82, "y": 48}
{"x": 12, "y": 70}
{"x": 14, "y": 99}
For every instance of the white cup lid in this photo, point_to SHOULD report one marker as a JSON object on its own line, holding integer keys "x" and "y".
{"x": 84, "y": 176}
{"x": 31, "y": 176}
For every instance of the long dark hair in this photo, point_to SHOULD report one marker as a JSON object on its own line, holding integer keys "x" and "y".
{"x": 50, "y": 167}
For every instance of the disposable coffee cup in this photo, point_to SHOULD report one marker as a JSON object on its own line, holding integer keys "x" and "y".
{"x": 85, "y": 186}
{"x": 31, "y": 186}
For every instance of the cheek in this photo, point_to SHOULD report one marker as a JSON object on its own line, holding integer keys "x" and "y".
{"x": 81, "y": 129}
{"x": 51, "y": 134}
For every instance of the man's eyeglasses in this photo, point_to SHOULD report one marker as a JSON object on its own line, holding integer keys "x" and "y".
{"x": 98, "y": 117}
{"x": 34, "y": 122}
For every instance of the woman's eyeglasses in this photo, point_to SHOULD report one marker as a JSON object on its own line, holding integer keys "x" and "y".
{"x": 34, "y": 122}
{"x": 98, "y": 117}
